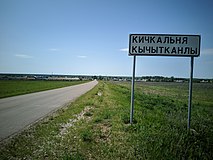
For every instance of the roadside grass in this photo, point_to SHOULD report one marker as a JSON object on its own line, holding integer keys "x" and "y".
{"x": 96, "y": 126}
{"x": 10, "y": 88}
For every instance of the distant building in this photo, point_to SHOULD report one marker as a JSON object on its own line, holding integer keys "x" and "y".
{"x": 204, "y": 81}
{"x": 179, "y": 81}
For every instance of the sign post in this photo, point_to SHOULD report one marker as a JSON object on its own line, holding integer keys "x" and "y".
{"x": 132, "y": 91}
{"x": 164, "y": 45}
{"x": 190, "y": 92}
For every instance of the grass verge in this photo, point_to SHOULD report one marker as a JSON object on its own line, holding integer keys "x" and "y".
{"x": 96, "y": 126}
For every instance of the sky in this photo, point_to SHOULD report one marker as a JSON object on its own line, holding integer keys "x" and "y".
{"x": 91, "y": 37}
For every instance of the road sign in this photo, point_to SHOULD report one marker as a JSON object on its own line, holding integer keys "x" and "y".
{"x": 164, "y": 45}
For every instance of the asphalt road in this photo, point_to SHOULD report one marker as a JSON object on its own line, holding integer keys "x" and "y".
{"x": 18, "y": 112}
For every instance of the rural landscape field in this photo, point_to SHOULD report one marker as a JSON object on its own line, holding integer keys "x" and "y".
{"x": 72, "y": 71}
{"x": 96, "y": 125}
{"x": 14, "y": 88}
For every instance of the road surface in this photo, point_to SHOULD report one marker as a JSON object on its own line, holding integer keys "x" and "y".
{"x": 18, "y": 112}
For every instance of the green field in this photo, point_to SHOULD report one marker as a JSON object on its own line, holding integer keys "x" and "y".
{"x": 10, "y": 88}
{"x": 96, "y": 126}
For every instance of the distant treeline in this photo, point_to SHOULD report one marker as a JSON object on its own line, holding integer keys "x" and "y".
{"x": 99, "y": 77}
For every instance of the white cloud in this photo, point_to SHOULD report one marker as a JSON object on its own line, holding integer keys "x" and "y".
{"x": 23, "y": 56}
{"x": 82, "y": 56}
{"x": 53, "y": 49}
{"x": 124, "y": 49}
{"x": 208, "y": 51}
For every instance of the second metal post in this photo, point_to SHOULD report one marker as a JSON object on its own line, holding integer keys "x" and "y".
{"x": 190, "y": 92}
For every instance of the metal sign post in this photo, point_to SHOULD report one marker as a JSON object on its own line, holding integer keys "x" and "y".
{"x": 164, "y": 45}
{"x": 190, "y": 92}
{"x": 132, "y": 91}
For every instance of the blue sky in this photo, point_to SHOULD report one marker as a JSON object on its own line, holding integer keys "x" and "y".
{"x": 90, "y": 37}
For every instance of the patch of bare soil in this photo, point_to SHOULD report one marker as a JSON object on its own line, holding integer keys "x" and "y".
{"x": 105, "y": 132}
{"x": 71, "y": 122}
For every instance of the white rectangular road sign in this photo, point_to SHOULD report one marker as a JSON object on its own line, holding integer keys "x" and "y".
{"x": 164, "y": 45}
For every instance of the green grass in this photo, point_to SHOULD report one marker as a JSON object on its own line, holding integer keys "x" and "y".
{"x": 100, "y": 126}
{"x": 10, "y": 88}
